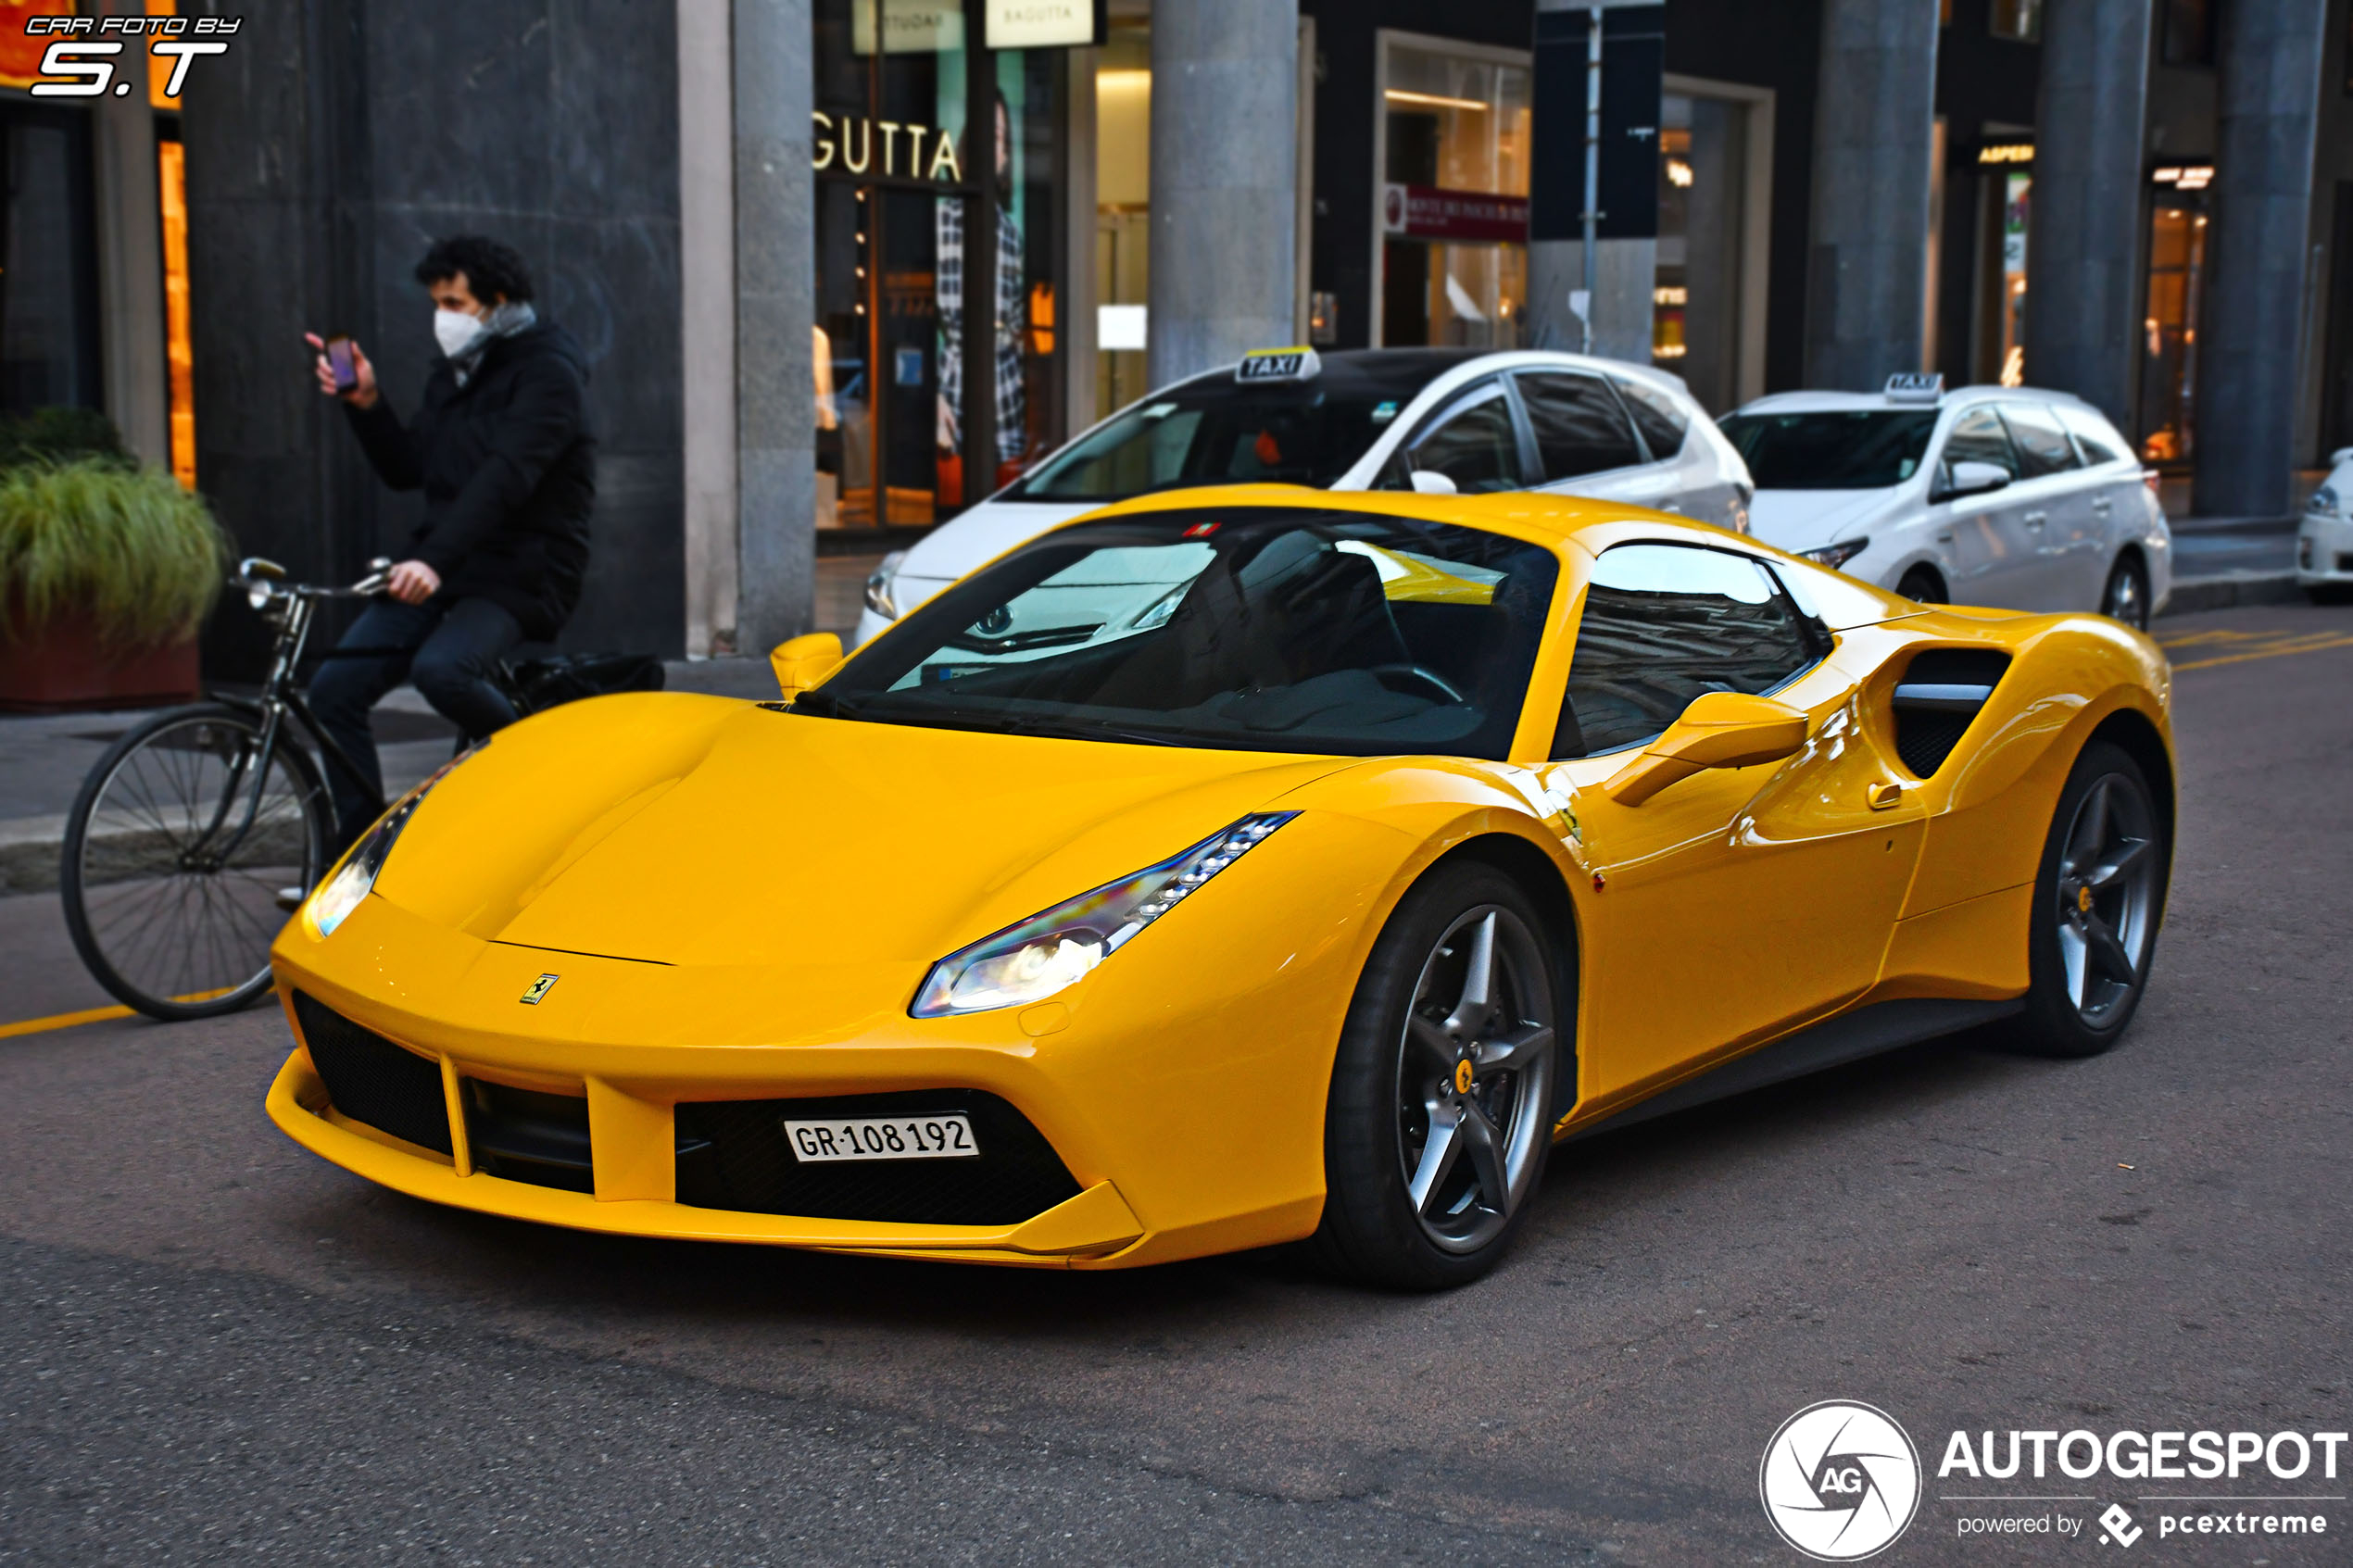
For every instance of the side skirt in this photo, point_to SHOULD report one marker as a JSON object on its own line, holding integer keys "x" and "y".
{"x": 1851, "y": 1036}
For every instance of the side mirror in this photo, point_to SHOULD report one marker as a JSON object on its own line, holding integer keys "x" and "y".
{"x": 1972, "y": 478}
{"x": 801, "y": 662}
{"x": 1718, "y": 730}
{"x": 1429, "y": 481}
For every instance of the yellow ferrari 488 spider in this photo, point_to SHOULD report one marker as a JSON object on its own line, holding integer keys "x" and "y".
{"x": 1229, "y": 868}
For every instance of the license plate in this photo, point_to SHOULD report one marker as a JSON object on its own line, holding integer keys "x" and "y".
{"x": 948, "y": 1137}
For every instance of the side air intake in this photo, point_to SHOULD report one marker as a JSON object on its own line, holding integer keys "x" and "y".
{"x": 1938, "y": 698}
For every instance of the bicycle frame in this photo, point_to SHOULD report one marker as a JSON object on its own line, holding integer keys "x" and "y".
{"x": 279, "y": 698}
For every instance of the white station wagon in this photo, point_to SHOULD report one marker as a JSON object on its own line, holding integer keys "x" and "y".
{"x": 1994, "y": 496}
{"x": 1435, "y": 420}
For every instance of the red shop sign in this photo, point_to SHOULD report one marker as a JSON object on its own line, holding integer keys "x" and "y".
{"x": 1427, "y": 212}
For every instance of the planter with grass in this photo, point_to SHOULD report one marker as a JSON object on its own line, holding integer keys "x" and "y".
{"x": 107, "y": 571}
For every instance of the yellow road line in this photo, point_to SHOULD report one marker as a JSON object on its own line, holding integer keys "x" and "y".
{"x": 94, "y": 1015}
{"x": 2307, "y": 646}
{"x": 62, "y": 1020}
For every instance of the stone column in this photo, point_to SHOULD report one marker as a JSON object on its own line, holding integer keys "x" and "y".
{"x": 1225, "y": 182}
{"x": 2255, "y": 299}
{"x": 706, "y": 318}
{"x": 2084, "y": 260}
{"x": 1866, "y": 287}
{"x": 131, "y": 264}
{"x": 775, "y": 306}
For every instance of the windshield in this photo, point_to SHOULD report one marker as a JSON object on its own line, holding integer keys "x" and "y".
{"x": 1214, "y": 431}
{"x": 1248, "y": 628}
{"x": 1838, "y": 449}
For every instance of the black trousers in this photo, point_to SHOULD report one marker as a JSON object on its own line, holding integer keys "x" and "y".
{"x": 446, "y": 648}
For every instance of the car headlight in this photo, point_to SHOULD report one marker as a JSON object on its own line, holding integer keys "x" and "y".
{"x": 879, "y": 597}
{"x": 1834, "y": 556}
{"x": 1058, "y": 948}
{"x": 2323, "y": 500}
{"x": 335, "y": 899}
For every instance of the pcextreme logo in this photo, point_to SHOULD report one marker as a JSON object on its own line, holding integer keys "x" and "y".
{"x": 1840, "y": 1480}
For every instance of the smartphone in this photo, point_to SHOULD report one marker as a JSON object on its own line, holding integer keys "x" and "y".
{"x": 340, "y": 363}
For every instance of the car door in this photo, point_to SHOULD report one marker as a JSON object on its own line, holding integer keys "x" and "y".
{"x": 1739, "y": 902}
{"x": 1473, "y": 440}
{"x": 1585, "y": 441}
{"x": 2119, "y": 495}
{"x": 1992, "y": 550}
{"x": 1704, "y": 485}
{"x": 2056, "y": 495}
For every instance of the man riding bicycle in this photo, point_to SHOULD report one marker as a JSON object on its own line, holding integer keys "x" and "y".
{"x": 502, "y": 448}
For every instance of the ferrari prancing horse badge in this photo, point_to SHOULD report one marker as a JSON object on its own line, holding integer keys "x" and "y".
{"x": 540, "y": 988}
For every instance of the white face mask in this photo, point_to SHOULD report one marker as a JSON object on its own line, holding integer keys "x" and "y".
{"x": 454, "y": 329}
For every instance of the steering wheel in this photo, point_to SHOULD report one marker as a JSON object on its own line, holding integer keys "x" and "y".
{"x": 1422, "y": 673}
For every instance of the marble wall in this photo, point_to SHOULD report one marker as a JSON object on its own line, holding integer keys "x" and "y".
{"x": 326, "y": 152}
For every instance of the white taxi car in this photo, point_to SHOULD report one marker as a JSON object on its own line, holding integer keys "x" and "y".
{"x": 1986, "y": 496}
{"x": 1399, "y": 419}
{"x": 2324, "y": 539}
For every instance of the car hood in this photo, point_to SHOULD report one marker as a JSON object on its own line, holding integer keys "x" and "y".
{"x": 1805, "y": 520}
{"x": 984, "y": 533}
{"x": 698, "y": 831}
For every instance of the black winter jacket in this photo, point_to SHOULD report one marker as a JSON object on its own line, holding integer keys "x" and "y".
{"x": 509, "y": 468}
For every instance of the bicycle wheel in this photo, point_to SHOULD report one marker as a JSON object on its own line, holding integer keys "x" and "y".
{"x": 170, "y": 893}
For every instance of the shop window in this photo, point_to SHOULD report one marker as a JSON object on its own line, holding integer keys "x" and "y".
{"x": 937, "y": 370}
{"x": 1123, "y": 215}
{"x": 2019, "y": 20}
{"x": 48, "y": 262}
{"x": 180, "y": 365}
{"x": 2169, "y": 331}
{"x": 1695, "y": 304}
{"x": 1454, "y": 196}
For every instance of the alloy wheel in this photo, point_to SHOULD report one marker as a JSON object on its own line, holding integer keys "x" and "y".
{"x": 2127, "y": 598}
{"x": 2107, "y": 897}
{"x": 1474, "y": 1079}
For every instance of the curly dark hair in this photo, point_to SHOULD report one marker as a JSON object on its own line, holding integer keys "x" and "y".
{"x": 490, "y": 268}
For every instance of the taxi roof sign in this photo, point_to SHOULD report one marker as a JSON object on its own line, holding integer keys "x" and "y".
{"x": 1915, "y": 386}
{"x": 1298, "y": 362}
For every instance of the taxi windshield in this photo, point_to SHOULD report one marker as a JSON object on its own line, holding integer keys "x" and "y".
{"x": 1212, "y": 430}
{"x": 1270, "y": 629}
{"x": 1832, "y": 449}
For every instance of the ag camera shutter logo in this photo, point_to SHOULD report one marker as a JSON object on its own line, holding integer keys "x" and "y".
{"x": 1840, "y": 1480}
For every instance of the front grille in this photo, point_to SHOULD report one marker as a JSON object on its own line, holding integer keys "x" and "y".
{"x": 373, "y": 1081}
{"x": 1937, "y": 699}
{"x": 528, "y": 1136}
{"x": 733, "y": 1154}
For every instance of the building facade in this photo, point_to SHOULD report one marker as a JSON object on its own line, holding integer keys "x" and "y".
{"x": 842, "y": 267}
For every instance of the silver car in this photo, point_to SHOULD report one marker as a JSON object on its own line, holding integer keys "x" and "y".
{"x": 1434, "y": 420}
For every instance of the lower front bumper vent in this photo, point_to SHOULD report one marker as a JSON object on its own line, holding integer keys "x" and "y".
{"x": 528, "y": 1136}
{"x": 372, "y": 1081}
{"x": 734, "y": 1155}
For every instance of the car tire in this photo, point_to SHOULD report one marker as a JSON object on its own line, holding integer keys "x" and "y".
{"x": 1922, "y": 585}
{"x": 2329, "y": 593}
{"x": 1441, "y": 1114}
{"x": 2099, "y": 899}
{"x": 2126, "y": 597}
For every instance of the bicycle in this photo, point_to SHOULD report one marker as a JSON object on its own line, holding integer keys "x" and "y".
{"x": 185, "y": 835}
{"x": 202, "y": 827}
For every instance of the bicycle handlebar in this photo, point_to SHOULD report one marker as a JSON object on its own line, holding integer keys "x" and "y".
{"x": 265, "y": 581}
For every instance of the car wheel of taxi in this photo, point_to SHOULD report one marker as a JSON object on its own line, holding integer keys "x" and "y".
{"x": 2097, "y": 904}
{"x": 2126, "y": 597}
{"x": 1922, "y": 585}
{"x": 1440, "y": 1112}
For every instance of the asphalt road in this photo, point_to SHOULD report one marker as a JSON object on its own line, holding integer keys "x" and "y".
{"x": 220, "y": 1349}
